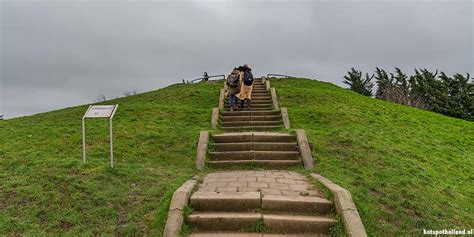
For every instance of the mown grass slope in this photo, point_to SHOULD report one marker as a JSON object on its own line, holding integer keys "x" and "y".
{"x": 407, "y": 169}
{"x": 45, "y": 188}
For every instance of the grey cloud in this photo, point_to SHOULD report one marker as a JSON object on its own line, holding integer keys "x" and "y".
{"x": 65, "y": 53}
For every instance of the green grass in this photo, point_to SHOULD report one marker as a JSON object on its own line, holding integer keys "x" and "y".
{"x": 45, "y": 188}
{"x": 407, "y": 169}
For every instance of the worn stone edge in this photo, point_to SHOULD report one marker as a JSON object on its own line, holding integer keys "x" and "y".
{"x": 345, "y": 207}
{"x": 304, "y": 149}
{"x": 214, "y": 118}
{"x": 284, "y": 117}
{"x": 267, "y": 85}
{"x": 175, "y": 213}
{"x": 274, "y": 99}
{"x": 221, "y": 99}
{"x": 202, "y": 149}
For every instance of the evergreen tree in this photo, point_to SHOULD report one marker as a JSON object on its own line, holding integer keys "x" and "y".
{"x": 425, "y": 86}
{"x": 402, "y": 87}
{"x": 383, "y": 83}
{"x": 457, "y": 97}
{"x": 357, "y": 84}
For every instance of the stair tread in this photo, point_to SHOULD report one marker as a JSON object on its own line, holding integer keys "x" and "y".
{"x": 248, "y": 234}
{"x": 306, "y": 199}
{"x": 276, "y": 162}
{"x": 265, "y": 143}
{"x": 262, "y": 152}
{"x": 274, "y": 134}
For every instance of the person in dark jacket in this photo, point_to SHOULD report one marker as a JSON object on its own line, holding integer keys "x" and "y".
{"x": 246, "y": 86}
{"x": 233, "y": 88}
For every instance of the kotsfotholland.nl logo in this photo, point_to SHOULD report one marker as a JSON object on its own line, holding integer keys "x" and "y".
{"x": 449, "y": 232}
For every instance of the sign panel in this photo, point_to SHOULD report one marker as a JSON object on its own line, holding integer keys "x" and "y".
{"x": 100, "y": 111}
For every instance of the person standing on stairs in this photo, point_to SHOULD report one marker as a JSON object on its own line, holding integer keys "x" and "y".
{"x": 233, "y": 88}
{"x": 246, "y": 82}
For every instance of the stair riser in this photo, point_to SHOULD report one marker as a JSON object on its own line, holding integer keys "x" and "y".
{"x": 294, "y": 206}
{"x": 252, "y": 113}
{"x": 280, "y": 165}
{"x": 244, "y": 128}
{"x": 253, "y": 156}
{"x": 254, "y": 147}
{"x": 223, "y": 224}
{"x": 254, "y": 102}
{"x": 251, "y": 109}
{"x": 222, "y": 202}
{"x": 289, "y": 226}
{"x": 253, "y": 138}
{"x": 251, "y": 123}
{"x": 250, "y": 118}
{"x": 267, "y": 106}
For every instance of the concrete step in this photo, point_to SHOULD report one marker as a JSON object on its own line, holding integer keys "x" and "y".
{"x": 240, "y": 234}
{"x": 268, "y": 102}
{"x": 251, "y": 128}
{"x": 268, "y": 106}
{"x": 299, "y": 204}
{"x": 287, "y": 224}
{"x": 275, "y": 164}
{"x": 253, "y": 137}
{"x": 261, "y": 97}
{"x": 292, "y": 224}
{"x": 235, "y": 201}
{"x": 251, "y": 123}
{"x": 251, "y": 109}
{"x": 254, "y": 155}
{"x": 249, "y": 113}
{"x": 224, "y": 221}
{"x": 256, "y": 146}
{"x": 252, "y": 118}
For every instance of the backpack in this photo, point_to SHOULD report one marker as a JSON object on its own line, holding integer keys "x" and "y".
{"x": 233, "y": 80}
{"x": 248, "y": 78}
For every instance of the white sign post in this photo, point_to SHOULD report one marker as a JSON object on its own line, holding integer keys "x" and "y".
{"x": 99, "y": 111}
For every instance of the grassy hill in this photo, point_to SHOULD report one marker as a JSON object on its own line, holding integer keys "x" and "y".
{"x": 407, "y": 169}
{"x": 45, "y": 188}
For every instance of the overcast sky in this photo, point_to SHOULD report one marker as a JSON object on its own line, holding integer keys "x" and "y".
{"x": 56, "y": 54}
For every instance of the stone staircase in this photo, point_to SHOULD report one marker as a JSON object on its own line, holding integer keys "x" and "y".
{"x": 259, "y": 203}
{"x": 259, "y": 117}
{"x": 271, "y": 149}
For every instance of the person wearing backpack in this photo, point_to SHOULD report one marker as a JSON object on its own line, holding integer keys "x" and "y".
{"x": 233, "y": 88}
{"x": 246, "y": 82}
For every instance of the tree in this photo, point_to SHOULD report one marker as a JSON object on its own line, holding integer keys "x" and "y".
{"x": 457, "y": 96}
{"x": 383, "y": 83}
{"x": 425, "y": 87}
{"x": 401, "y": 87}
{"x": 357, "y": 84}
